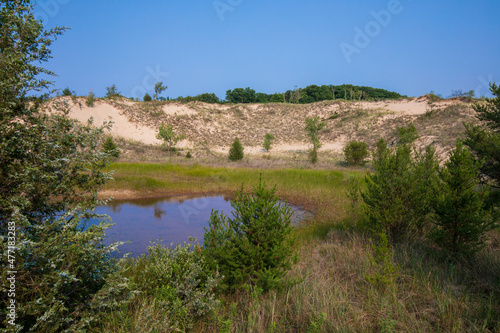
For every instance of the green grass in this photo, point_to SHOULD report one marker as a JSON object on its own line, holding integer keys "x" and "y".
{"x": 322, "y": 191}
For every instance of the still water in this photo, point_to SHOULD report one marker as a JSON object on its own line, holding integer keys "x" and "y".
{"x": 173, "y": 220}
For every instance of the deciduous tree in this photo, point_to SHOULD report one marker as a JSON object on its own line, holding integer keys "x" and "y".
{"x": 50, "y": 171}
{"x": 169, "y": 137}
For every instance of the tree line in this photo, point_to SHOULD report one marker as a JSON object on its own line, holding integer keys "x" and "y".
{"x": 309, "y": 94}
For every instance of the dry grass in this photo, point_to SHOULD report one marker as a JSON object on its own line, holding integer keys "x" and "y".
{"x": 334, "y": 296}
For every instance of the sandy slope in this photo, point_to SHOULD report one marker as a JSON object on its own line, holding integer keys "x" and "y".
{"x": 217, "y": 125}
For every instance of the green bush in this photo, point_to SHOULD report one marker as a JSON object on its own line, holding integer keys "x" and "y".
{"x": 484, "y": 139}
{"x": 50, "y": 173}
{"x": 188, "y": 155}
{"x": 169, "y": 137}
{"x": 147, "y": 98}
{"x": 268, "y": 140}
{"x": 179, "y": 280}
{"x": 236, "y": 151}
{"x": 407, "y": 134}
{"x": 166, "y": 290}
{"x": 356, "y": 152}
{"x": 385, "y": 270}
{"x": 255, "y": 246}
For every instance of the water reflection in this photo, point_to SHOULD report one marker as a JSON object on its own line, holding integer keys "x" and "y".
{"x": 173, "y": 220}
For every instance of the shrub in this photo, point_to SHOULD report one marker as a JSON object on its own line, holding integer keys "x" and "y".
{"x": 255, "y": 246}
{"x": 355, "y": 152}
{"x": 147, "y": 98}
{"x": 236, "y": 151}
{"x": 188, "y": 155}
{"x": 268, "y": 140}
{"x": 109, "y": 147}
{"x": 460, "y": 219}
{"x": 407, "y": 134}
{"x": 179, "y": 280}
{"x": 90, "y": 101}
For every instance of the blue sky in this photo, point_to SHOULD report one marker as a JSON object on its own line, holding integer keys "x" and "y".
{"x": 197, "y": 46}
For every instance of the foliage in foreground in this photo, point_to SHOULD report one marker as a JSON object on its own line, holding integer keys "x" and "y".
{"x": 255, "y": 246}
{"x": 393, "y": 188}
{"x": 167, "y": 289}
{"x": 50, "y": 172}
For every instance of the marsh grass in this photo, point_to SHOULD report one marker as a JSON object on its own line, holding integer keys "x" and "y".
{"x": 320, "y": 191}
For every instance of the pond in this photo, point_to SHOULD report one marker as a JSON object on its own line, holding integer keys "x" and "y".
{"x": 173, "y": 220}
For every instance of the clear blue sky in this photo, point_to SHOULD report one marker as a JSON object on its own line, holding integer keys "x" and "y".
{"x": 197, "y": 46}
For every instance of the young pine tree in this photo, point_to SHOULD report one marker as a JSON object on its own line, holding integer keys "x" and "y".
{"x": 460, "y": 220}
{"x": 484, "y": 141}
{"x": 399, "y": 193}
{"x": 110, "y": 148}
{"x": 388, "y": 192}
{"x": 255, "y": 246}
{"x": 236, "y": 151}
